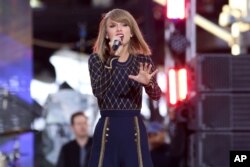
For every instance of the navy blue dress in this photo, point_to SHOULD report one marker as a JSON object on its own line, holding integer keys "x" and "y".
{"x": 120, "y": 137}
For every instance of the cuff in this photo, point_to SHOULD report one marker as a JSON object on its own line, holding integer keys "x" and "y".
{"x": 150, "y": 84}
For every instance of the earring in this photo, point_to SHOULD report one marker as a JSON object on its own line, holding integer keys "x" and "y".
{"x": 107, "y": 37}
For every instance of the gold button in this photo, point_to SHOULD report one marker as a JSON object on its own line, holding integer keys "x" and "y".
{"x": 107, "y": 128}
{"x": 107, "y": 134}
{"x": 135, "y": 134}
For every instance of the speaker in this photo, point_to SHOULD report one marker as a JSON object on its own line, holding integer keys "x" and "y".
{"x": 220, "y": 112}
{"x": 221, "y": 73}
{"x": 212, "y": 149}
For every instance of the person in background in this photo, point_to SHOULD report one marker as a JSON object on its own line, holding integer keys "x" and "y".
{"x": 120, "y": 67}
{"x": 159, "y": 148}
{"x": 76, "y": 153}
{"x": 178, "y": 133}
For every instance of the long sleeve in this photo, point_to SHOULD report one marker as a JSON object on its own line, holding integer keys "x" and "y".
{"x": 112, "y": 86}
{"x": 100, "y": 75}
{"x": 153, "y": 90}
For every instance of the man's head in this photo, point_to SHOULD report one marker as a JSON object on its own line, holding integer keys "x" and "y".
{"x": 79, "y": 124}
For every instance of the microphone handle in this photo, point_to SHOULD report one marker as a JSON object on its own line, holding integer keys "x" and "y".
{"x": 116, "y": 45}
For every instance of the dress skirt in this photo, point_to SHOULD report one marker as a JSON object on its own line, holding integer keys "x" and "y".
{"x": 120, "y": 140}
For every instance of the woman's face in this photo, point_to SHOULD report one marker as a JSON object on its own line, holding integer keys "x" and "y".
{"x": 118, "y": 30}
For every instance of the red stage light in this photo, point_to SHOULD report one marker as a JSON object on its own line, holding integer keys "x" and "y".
{"x": 177, "y": 86}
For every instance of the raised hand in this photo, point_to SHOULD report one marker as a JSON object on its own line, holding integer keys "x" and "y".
{"x": 144, "y": 76}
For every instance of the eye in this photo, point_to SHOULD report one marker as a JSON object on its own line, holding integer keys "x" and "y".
{"x": 125, "y": 24}
{"x": 111, "y": 25}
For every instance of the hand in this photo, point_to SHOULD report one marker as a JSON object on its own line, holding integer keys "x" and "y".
{"x": 144, "y": 75}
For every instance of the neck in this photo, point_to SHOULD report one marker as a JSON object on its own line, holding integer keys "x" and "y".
{"x": 82, "y": 141}
{"x": 124, "y": 54}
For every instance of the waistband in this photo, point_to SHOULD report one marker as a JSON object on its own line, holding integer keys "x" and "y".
{"x": 120, "y": 113}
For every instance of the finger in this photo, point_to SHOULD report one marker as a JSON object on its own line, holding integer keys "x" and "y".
{"x": 141, "y": 66}
{"x": 132, "y": 77}
{"x": 153, "y": 73}
{"x": 145, "y": 67}
{"x": 110, "y": 43}
{"x": 149, "y": 68}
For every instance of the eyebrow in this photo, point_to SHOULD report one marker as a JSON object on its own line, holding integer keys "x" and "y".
{"x": 112, "y": 22}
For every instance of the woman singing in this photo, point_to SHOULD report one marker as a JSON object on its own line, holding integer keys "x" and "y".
{"x": 119, "y": 69}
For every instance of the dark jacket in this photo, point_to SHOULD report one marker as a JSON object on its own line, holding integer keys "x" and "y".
{"x": 70, "y": 154}
{"x": 161, "y": 156}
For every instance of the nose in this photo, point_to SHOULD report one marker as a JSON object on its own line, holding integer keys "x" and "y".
{"x": 119, "y": 27}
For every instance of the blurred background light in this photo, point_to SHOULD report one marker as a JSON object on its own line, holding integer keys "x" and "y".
{"x": 36, "y": 4}
{"x": 176, "y": 9}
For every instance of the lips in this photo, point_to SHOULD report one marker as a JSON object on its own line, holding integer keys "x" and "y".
{"x": 121, "y": 36}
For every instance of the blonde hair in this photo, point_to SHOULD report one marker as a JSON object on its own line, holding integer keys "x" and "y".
{"x": 137, "y": 43}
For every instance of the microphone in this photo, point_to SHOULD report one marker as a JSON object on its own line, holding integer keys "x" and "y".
{"x": 116, "y": 45}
